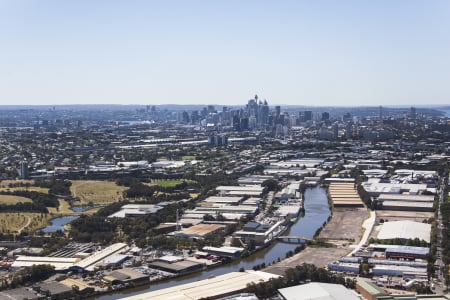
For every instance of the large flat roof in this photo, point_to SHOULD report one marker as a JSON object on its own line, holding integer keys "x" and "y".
{"x": 402, "y": 197}
{"x": 202, "y": 229}
{"x": 405, "y": 230}
{"x": 212, "y": 287}
{"x": 246, "y": 188}
{"x": 318, "y": 291}
{"x": 90, "y": 262}
{"x": 60, "y": 263}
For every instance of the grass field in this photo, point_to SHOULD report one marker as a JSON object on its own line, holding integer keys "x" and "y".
{"x": 97, "y": 192}
{"x": 188, "y": 157}
{"x": 64, "y": 208}
{"x": 169, "y": 183}
{"x": 4, "y": 186}
{"x": 16, "y": 222}
{"x": 10, "y": 200}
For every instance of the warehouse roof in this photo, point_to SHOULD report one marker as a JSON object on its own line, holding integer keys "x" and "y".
{"x": 90, "y": 262}
{"x": 212, "y": 287}
{"x": 217, "y": 199}
{"x": 319, "y": 291}
{"x": 60, "y": 263}
{"x": 402, "y": 197}
{"x": 246, "y": 188}
{"x": 201, "y": 229}
{"x": 419, "y": 205}
{"x": 370, "y": 288}
{"x": 405, "y": 230}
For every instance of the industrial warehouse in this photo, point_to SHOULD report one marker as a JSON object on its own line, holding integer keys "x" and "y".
{"x": 215, "y": 287}
{"x": 344, "y": 194}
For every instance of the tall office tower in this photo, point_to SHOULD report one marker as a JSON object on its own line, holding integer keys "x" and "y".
{"x": 277, "y": 111}
{"x": 349, "y": 130}
{"x": 335, "y": 131}
{"x": 194, "y": 117}
{"x": 24, "y": 170}
{"x": 380, "y": 113}
{"x": 252, "y": 107}
{"x": 244, "y": 124}
{"x": 308, "y": 115}
{"x": 264, "y": 113}
{"x": 252, "y": 122}
{"x": 325, "y": 116}
{"x": 412, "y": 113}
{"x": 236, "y": 123}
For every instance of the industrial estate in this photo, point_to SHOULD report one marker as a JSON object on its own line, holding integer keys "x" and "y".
{"x": 245, "y": 202}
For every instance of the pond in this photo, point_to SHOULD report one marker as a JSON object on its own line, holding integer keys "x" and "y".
{"x": 58, "y": 223}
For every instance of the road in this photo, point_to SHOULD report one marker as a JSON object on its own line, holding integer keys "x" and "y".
{"x": 24, "y": 226}
{"x": 368, "y": 226}
{"x": 439, "y": 264}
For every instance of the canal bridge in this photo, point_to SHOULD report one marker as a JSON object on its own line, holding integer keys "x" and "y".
{"x": 295, "y": 239}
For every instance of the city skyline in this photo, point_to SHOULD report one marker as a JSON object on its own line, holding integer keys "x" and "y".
{"x": 292, "y": 53}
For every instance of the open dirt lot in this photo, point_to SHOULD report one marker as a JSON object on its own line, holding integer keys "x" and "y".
{"x": 345, "y": 224}
{"x": 317, "y": 256}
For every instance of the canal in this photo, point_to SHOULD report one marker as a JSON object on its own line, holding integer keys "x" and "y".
{"x": 317, "y": 212}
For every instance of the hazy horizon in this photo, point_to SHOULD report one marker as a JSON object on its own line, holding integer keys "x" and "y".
{"x": 321, "y": 53}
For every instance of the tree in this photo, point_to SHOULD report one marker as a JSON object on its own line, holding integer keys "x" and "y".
{"x": 270, "y": 184}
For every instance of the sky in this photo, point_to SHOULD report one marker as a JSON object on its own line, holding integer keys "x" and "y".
{"x": 317, "y": 52}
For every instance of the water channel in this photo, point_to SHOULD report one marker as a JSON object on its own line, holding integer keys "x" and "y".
{"x": 58, "y": 223}
{"x": 316, "y": 213}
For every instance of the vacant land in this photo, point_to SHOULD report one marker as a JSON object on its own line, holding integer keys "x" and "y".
{"x": 96, "y": 192}
{"x": 11, "y": 200}
{"x": 345, "y": 225}
{"x": 17, "y": 222}
{"x": 320, "y": 257}
{"x": 345, "y": 228}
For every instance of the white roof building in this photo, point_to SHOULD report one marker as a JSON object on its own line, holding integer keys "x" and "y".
{"x": 318, "y": 291}
{"x": 60, "y": 263}
{"x": 135, "y": 210}
{"x": 405, "y": 230}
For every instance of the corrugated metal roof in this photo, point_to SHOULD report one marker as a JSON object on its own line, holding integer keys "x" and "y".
{"x": 213, "y": 287}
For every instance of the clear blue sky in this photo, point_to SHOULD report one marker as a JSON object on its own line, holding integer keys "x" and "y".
{"x": 313, "y": 52}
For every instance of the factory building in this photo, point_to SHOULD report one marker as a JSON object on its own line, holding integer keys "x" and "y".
{"x": 405, "y": 230}
{"x": 344, "y": 194}
{"x": 215, "y": 287}
{"x": 126, "y": 276}
{"x": 317, "y": 291}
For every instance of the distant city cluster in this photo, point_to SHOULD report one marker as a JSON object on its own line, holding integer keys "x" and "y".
{"x": 157, "y": 192}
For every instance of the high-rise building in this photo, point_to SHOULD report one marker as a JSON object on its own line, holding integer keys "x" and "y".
{"x": 308, "y": 115}
{"x": 24, "y": 170}
{"x": 412, "y": 113}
